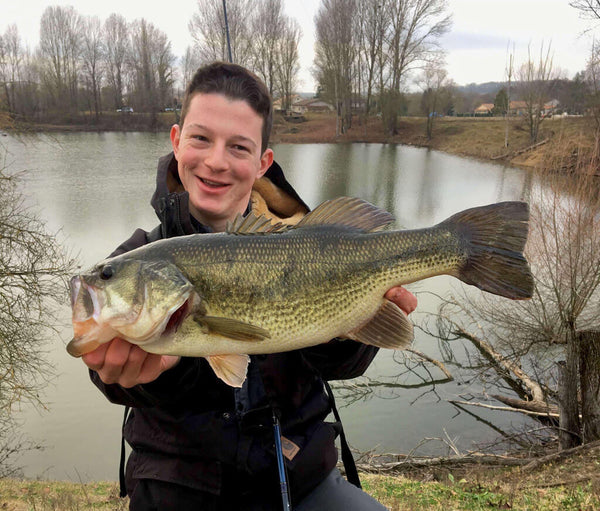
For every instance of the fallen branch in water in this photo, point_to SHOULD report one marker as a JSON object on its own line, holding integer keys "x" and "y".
{"x": 467, "y": 459}
{"x": 505, "y": 408}
{"x": 520, "y": 151}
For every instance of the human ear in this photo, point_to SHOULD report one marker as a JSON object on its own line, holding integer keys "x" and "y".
{"x": 175, "y": 136}
{"x": 266, "y": 160}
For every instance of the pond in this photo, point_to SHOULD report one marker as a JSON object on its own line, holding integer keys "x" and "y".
{"x": 95, "y": 188}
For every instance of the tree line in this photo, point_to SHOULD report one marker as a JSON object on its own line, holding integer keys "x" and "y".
{"x": 84, "y": 64}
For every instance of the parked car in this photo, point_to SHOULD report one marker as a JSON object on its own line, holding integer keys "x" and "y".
{"x": 126, "y": 109}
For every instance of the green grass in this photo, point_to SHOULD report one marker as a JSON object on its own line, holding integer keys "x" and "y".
{"x": 511, "y": 490}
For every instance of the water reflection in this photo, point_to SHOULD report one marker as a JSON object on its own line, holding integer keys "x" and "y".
{"x": 97, "y": 187}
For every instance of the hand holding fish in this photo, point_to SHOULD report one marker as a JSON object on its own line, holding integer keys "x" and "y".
{"x": 119, "y": 361}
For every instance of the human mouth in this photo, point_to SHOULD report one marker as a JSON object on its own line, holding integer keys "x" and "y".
{"x": 212, "y": 184}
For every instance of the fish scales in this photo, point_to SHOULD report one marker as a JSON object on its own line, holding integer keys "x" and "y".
{"x": 248, "y": 275}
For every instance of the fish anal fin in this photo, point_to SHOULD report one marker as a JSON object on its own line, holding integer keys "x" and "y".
{"x": 388, "y": 328}
{"x": 232, "y": 328}
{"x": 231, "y": 369}
{"x": 349, "y": 212}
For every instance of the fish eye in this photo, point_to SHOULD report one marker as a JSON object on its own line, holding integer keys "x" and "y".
{"x": 107, "y": 272}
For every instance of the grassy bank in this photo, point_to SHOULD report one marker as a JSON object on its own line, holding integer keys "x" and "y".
{"x": 572, "y": 484}
{"x": 482, "y": 138}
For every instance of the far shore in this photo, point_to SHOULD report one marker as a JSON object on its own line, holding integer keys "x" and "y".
{"x": 482, "y": 138}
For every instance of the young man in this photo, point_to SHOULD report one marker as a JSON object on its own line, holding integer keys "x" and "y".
{"x": 196, "y": 442}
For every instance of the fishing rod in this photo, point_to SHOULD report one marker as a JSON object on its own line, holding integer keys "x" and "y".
{"x": 285, "y": 497}
{"x": 227, "y": 30}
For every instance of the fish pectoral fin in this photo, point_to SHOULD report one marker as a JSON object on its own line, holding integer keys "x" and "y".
{"x": 232, "y": 328}
{"x": 388, "y": 328}
{"x": 231, "y": 369}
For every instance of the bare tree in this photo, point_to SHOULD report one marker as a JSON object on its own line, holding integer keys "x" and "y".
{"x": 286, "y": 63}
{"x": 152, "y": 61}
{"x": 60, "y": 46}
{"x": 117, "y": 48}
{"x": 589, "y": 8}
{"x": 165, "y": 69}
{"x": 372, "y": 30}
{"x": 592, "y": 82}
{"x": 189, "y": 64}
{"x": 415, "y": 28}
{"x": 92, "y": 57}
{"x": 33, "y": 273}
{"x": 509, "y": 77}
{"x": 207, "y": 28}
{"x": 536, "y": 83}
{"x": 11, "y": 58}
{"x": 336, "y": 49}
{"x": 434, "y": 80}
{"x": 564, "y": 252}
{"x": 267, "y": 28}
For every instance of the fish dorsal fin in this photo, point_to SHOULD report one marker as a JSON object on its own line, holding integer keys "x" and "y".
{"x": 349, "y": 212}
{"x": 389, "y": 328}
{"x": 252, "y": 224}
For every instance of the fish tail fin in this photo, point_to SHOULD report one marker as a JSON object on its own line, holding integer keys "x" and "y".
{"x": 496, "y": 237}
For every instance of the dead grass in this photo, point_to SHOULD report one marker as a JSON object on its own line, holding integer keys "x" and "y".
{"x": 465, "y": 136}
{"x": 572, "y": 483}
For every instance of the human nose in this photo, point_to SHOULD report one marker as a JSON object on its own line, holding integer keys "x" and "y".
{"x": 216, "y": 159}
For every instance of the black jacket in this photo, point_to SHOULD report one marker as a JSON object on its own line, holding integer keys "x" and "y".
{"x": 190, "y": 428}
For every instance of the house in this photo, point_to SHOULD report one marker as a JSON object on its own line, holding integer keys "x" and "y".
{"x": 550, "y": 107}
{"x": 517, "y": 107}
{"x": 484, "y": 109}
{"x": 313, "y": 105}
{"x": 293, "y": 100}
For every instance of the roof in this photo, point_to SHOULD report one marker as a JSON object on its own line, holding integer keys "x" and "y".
{"x": 485, "y": 107}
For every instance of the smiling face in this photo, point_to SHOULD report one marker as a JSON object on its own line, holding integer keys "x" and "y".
{"x": 218, "y": 152}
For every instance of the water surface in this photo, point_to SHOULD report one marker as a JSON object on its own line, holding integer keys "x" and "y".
{"x": 96, "y": 189}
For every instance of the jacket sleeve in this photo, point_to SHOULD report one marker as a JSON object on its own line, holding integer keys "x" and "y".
{"x": 340, "y": 359}
{"x": 172, "y": 385}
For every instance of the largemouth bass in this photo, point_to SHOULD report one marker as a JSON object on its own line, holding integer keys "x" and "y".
{"x": 263, "y": 288}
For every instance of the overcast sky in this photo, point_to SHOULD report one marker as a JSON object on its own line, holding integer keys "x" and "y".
{"x": 476, "y": 45}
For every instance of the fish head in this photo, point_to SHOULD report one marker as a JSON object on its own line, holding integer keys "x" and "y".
{"x": 134, "y": 299}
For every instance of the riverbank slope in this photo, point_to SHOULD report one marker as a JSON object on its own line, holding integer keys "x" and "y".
{"x": 482, "y": 138}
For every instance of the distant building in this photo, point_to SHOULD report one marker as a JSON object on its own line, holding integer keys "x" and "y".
{"x": 517, "y": 107}
{"x": 293, "y": 100}
{"x": 484, "y": 109}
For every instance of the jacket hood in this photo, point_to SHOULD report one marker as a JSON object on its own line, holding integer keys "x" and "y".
{"x": 272, "y": 196}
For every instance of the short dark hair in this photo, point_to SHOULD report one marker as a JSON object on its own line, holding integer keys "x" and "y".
{"x": 234, "y": 82}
